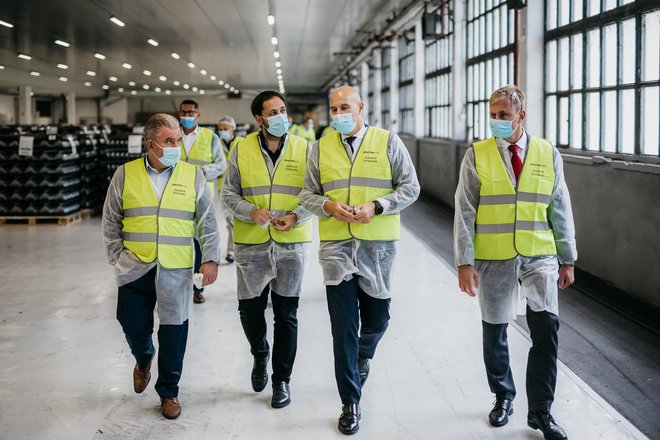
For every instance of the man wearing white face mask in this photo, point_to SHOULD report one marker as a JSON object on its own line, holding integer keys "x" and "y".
{"x": 358, "y": 180}
{"x": 513, "y": 229}
{"x": 272, "y": 234}
{"x": 202, "y": 148}
{"x": 154, "y": 207}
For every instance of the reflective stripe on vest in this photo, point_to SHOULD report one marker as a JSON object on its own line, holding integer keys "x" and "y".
{"x": 514, "y": 221}
{"x": 278, "y": 194}
{"x": 153, "y": 230}
{"x": 232, "y": 145}
{"x": 366, "y": 179}
{"x": 201, "y": 152}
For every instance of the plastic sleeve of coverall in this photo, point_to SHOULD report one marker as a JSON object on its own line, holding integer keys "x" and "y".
{"x": 113, "y": 213}
{"x": 560, "y": 215}
{"x": 311, "y": 196}
{"x": 404, "y": 178}
{"x": 206, "y": 225}
{"x": 466, "y": 200}
{"x": 231, "y": 191}
{"x": 214, "y": 170}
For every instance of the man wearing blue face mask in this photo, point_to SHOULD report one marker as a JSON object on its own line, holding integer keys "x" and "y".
{"x": 272, "y": 232}
{"x": 226, "y": 127}
{"x": 514, "y": 235}
{"x": 154, "y": 207}
{"x": 202, "y": 148}
{"x": 358, "y": 180}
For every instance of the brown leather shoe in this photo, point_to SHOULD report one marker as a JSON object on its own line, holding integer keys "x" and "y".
{"x": 198, "y": 298}
{"x": 170, "y": 407}
{"x": 141, "y": 377}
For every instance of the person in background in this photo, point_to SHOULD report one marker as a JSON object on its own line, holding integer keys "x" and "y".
{"x": 306, "y": 131}
{"x": 200, "y": 147}
{"x": 357, "y": 182}
{"x": 514, "y": 234}
{"x": 272, "y": 234}
{"x": 226, "y": 128}
{"x": 154, "y": 207}
{"x": 293, "y": 127}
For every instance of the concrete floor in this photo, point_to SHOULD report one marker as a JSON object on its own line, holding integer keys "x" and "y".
{"x": 66, "y": 370}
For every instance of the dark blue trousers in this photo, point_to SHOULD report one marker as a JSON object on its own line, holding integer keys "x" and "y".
{"x": 135, "y": 313}
{"x": 285, "y": 330}
{"x": 358, "y": 322}
{"x": 197, "y": 263}
{"x": 541, "y": 362}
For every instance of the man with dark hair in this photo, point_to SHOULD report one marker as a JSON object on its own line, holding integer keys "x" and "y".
{"x": 272, "y": 234}
{"x": 154, "y": 207}
{"x": 202, "y": 148}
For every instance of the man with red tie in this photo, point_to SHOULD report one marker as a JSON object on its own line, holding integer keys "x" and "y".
{"x": 514, "y": 235}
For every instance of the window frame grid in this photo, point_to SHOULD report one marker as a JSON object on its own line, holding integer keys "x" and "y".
{"x": 406, "y": 86}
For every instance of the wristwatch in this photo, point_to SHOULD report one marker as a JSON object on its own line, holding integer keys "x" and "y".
{"x": 379, "y": 207}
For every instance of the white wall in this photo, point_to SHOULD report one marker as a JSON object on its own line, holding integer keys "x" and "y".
{"x": 7, "y": 109}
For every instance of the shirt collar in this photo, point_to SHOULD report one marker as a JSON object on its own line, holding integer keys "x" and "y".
{"x": 521, "y": 143}
{"x": 151, "y": 169}
{"x": 358, "y": 135}
{"x": 192, "y": 133}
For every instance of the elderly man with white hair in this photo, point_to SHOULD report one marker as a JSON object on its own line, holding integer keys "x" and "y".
{"x": 514, "y": 233}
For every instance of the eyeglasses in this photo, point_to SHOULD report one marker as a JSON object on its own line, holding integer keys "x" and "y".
{"x": 188, "y": 113}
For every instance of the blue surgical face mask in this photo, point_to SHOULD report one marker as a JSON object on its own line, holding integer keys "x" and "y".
{"x": 343, "y": 123}
{"x": 278, "y": 125}
{"x": 224, "y": 134}
{"x": 501, "y": 128}
{"x": 171, "y": 155}
{"x": 187, "y": 122}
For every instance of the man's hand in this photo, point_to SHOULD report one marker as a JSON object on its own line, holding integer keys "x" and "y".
{"x": 338, "y": 210}
{"x": 261, "y": 216}
{"x": 466, "y": 276}
{"x": 284, "y": 223}
{"x": 566, "y": 275}
{"x": 210, "y": 272}
{"x": 365, "y": 212}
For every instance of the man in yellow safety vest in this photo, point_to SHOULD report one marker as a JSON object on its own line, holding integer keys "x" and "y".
{"x": 154, "y": 207}
{"x": 514, "y": 234}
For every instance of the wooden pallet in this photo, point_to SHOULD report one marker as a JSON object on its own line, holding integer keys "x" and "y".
{"x": 62, "y": 220}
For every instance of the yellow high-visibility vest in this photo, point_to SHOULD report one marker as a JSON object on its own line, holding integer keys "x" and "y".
{"x": 201, "y": 152}
{"x": 514, "y": 221}
{"x": 232, "y": 145}
{"x": 366, "y": 179}
{"x": 165, "y": 230}
{"x": 278, "y": 194}
{"x": 327, "y": 130}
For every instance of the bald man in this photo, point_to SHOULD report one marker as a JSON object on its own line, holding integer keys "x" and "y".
{"x": 357, "y": 181}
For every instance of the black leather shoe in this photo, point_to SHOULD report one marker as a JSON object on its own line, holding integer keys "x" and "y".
{"x": 281, "y": 395}
{"x": 499, "y": 416}
{"x": 363, "y": 368}
{"x": 349, "y": 421}
{"x": 546, "y": 423}
{"x": 260, "y": 373}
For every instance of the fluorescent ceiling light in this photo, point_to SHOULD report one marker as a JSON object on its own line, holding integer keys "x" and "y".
{"x": 191, "y": 65}
{"x": 152, "y": 42}
{"x": 279, "y": 71}
{"x": 175, "y": 55}
{"x": 91, "y": 73}
{"x": 279, "y": 77}
{"x": 133, "y": 92}
{"x": 226, "y": 86}
{"x": 113, "y": 78}
{"x": 62, "y": 66}
{"x": 194, "y": 89}
{"x": 120, "y": 90}
{"x": 2, "y": 67}
{"x": 6, "y": 24}
{"x": 201, "y": 92}
{"x": 278, "y": 64}
{"x": 276, "y": 54}
{"x": 88, "y": 84}
{"x": 105, "y": 87}
{"x": 147, "y": 72}
{"x": 271, "y": 19}
{"x": 126, "y": 66}
{"x": 236, "y": 91}
{"x": 34, "y": 73}
{"x": 162, "y": 78}
{"x": 176, "y": 83}
{"x": 186, "y": 86}
{"x": 157, "y": 89}
{"x": 203, "y": 72}
{"x": 221, "y": 82}
{"x": 274, "y": 41}
{"x": 117, "y": 21}
{"x": 168, "y": 92}
{"x": 64, "y": 78}
{"x": 145, "y": 87}
{"x": 131, "y": 83}
{"x": 212, "y": 77}
{"x": 24, "y": 56}
{"x": 232, "y": 88}
{"x": 100, "y": 56}
{"x": 62, "y": 43}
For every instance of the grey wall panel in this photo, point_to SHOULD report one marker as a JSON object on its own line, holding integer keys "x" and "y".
{"x": 437, "y": 169}
{"x": 411, "y": 145}
{"x": 617, "y": 220}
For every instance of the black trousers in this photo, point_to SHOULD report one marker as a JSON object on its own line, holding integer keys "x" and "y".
{"x": 285, "y": 330}
{"x": 349, "y": 306}
{"x": 541, "y": 362}
{"x": 197, "y": 264}
{"x": 135, "y": 313}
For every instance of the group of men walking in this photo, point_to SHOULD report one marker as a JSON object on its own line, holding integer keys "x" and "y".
{"x": 159, "y": 225}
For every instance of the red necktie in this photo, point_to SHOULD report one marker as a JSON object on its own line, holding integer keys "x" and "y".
{"x": 516, "y": 161}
